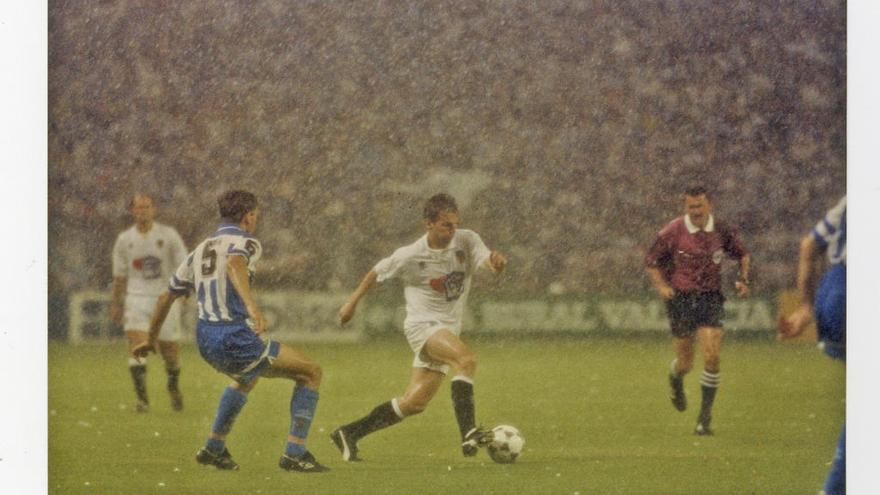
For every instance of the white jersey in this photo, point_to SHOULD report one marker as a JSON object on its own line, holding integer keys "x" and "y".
{"x": 436, "y": 281}
{"x": 205, "y": 272}
{"x": 147, "y": 259}
{"x": 830, "y": 233}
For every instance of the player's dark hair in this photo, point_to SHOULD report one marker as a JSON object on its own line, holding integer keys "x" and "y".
{"x": 696, "y": 190}
{"x": 234, "y": 205}
{"x": 437, "y": 204}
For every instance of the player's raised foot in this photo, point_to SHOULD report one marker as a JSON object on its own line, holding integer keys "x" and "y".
{"x": 469, "y": 450}
{"x": 474, "y": 440}
{"x": 303, "y": 463}
{"x": 142, "y": 407}
{"x": 676, "y": 394}
{"x": 176, "y": 400}
{"x": 346, "y": 445}
{"x": 702, "y": 428}
{"x": 222, "y": 460}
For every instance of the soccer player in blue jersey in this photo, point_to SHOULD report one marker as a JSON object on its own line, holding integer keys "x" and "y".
{"x": 825, "y": 300}
{"x": 231, "y": 333}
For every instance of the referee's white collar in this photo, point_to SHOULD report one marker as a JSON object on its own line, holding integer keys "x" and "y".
{"x": 693, "y": 229}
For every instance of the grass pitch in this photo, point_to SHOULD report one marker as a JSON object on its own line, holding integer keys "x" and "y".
{"x": 594, "y": 412}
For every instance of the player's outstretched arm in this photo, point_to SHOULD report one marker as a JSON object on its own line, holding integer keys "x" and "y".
{"x": 496, "y": 261}
{"x": 348, "y": 309}
{"x": 163, "y": 305}
{"x": 809, "y": 268}
{"x": 238, "y": 275}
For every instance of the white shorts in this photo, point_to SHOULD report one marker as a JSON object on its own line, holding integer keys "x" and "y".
{"x": 418, "y": 333}
{"x": 139, "y": 310}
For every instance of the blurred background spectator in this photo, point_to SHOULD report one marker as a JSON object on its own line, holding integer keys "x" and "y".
{"x": 564, "y": 128}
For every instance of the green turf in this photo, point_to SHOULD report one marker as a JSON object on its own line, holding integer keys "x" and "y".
{"x": 594, "y": 413}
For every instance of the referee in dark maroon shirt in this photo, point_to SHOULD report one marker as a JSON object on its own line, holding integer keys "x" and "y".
{"x": 684, "y": 264}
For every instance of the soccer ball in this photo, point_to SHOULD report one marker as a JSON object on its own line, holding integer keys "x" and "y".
{"x": 506, "y": 445}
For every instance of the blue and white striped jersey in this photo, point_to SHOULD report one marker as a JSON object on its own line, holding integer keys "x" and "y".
{"x": 830, "y": 233}
{"x": 205, "y": 272}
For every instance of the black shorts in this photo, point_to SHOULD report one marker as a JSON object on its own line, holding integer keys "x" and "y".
{"x": 691, "y": 310}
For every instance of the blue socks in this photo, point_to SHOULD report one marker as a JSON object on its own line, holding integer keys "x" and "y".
{"x": 302, "y": 411}
{"x": 231, "y": 403}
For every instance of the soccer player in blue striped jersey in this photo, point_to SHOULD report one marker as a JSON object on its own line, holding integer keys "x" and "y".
{"x": 825, "y": 300}
{"x": 231, "y": 333}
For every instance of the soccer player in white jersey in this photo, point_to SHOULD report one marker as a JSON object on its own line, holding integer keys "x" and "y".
{"x": 231, "y": 333}
{"x": 143, "y": 259}
{"x": 825, "y": 301}
{"x": 436, "y": 271}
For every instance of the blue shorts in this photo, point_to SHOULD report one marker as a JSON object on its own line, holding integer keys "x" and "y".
{"x": 831, "y": 311}
{"x": 234, "y": 349}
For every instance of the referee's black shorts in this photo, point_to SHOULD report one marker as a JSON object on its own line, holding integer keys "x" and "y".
{"x": 691, "y": 310}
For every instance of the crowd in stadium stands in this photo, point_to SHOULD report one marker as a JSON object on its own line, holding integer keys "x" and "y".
{"x": 565, "y": 131}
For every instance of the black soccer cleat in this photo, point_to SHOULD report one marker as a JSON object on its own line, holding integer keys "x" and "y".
{"x": 469, "y": 450}
{"x": 142, "y": 407}
{"x": 176, "y": 400}
{"x": 676, "y": 395}
{"x": 346, "y": 445}
{"x": 702, "y": 429}
{"x": 474, "y": 440}
{"x": 222, "y": 460}
{"x": 303, "y": 463}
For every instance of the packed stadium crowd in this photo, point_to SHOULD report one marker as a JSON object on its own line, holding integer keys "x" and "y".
{"x": 566, "y": 131}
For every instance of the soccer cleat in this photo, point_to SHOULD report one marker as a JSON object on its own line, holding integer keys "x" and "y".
{"x": 346, "y": 445}
{"x": 679, "y": 400}
{"x": 303, "y": 463}
{"x": 176, "y": 400}
{"x": 222, "y": 460}
{"x": 474, "y": 439}
{"x": 142, "y": 407}
{"x": 469, "y": 450}
{"x": 702, "y": 428}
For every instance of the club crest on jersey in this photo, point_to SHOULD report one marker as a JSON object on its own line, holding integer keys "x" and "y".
{"x": 150, "y": 265}
{"x": 160, "y": 243}
{"x": 717, "y": 256}
{"x": 451, "y": 285}
{"x": 460, "y": 256}
{"x": 422, "y": 265}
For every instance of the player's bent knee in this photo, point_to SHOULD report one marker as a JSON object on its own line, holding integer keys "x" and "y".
{"x": 314, "y": 374}
{"x": 308, "y": 374}
{"x": 244, "y": 388}
{"x": 468, "y": 364}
